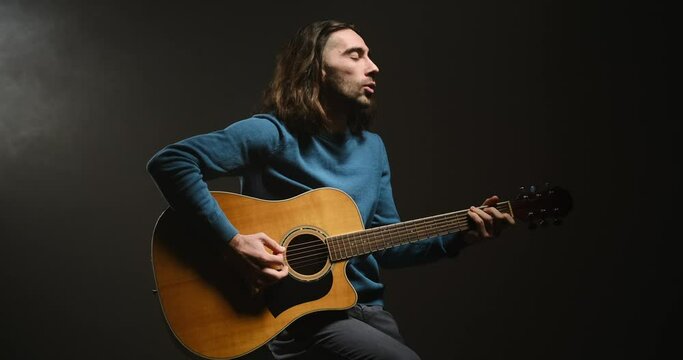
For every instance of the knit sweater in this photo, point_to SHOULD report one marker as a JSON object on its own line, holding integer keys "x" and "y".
{"x": 274, "y": 164}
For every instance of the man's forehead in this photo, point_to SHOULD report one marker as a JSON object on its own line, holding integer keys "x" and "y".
{"x": 345, "y": 39}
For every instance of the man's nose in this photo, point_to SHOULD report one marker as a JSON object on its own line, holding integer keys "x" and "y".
{"x": 373, "y": 68}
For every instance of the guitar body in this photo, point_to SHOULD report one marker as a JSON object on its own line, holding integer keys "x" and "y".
{"x": 206, "y": 304}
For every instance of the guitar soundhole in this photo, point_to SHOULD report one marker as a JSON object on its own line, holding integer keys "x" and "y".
{"x": 307, "y": 256}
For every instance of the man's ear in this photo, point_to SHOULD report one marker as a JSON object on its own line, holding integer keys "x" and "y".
{"x": 323, "y": 73}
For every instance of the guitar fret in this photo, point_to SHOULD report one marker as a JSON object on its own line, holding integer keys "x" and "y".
{"x": 340, "y": 248}
{"x": 360, "y": 245}
{"x": 395, "y": 233}
{"x": 346, "y": 249}
{"x": 330, "y": 244}
{"x": 347, "y": 245}
{"x": 338, "y": 241}
{"x": 370, "y": 240}
{"x": 383, "y": 238}
{"x": 354, "y": 243}
{"x": 400, "y": 233}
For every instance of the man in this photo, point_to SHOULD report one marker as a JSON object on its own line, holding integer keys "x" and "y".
{"x": 313, "y": 134}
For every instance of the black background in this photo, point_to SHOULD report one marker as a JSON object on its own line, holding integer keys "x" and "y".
{"x": 476, "y": 98}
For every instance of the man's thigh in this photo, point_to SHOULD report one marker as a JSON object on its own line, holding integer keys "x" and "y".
{"x": 338, "y": 336}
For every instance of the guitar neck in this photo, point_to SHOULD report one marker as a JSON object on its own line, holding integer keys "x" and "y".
{"x": 346, "y": 246}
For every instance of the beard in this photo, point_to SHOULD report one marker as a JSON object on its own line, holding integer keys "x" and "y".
{"x": 360, "y": 108}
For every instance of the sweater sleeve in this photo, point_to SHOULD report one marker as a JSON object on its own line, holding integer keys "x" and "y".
{"x": 419, "y": 252}
{"x": 180, "y": 170}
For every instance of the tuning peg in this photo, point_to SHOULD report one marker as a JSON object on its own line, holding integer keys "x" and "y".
{"x": 532, "y": 189}
{"x": 521, "y": 195}
{"x": 541, "y": 220}
{"x": 557, "y": 221}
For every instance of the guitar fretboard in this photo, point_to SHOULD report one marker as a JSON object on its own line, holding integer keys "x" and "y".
{"x": 342, "y": 247}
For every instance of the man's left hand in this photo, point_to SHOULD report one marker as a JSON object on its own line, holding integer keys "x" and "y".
{"x": 488, "y": 222}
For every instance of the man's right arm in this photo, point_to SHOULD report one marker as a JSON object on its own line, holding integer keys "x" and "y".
{"x": 180, "y": 171}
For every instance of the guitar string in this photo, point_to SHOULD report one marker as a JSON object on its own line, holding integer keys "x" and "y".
{"x": 341, "y": 238}
{"x": 297, "y": 260}
{"x": 387, "y": 231}
{"x": 367, "y": 233}
{"x": 323, "y": 259}
{"x": 322, "y": 254}
{"x": 305, "y": 260}
{"x": 459, "y": 219}
{"x": 397, "y": 231}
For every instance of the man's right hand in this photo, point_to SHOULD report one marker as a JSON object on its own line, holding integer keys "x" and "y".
{"x": 258, "y": 266}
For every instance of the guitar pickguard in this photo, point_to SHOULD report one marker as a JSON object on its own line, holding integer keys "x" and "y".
{"x": 290, "y": 292}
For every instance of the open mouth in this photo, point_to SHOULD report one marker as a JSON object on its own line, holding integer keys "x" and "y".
{"x": 369, "y": 88}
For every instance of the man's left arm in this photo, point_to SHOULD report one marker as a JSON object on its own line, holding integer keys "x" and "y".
{"x": 420, "y": 252}
{"x": 488, "y": 223}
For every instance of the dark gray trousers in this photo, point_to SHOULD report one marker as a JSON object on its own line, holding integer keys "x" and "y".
{"x": 362, "y": 332}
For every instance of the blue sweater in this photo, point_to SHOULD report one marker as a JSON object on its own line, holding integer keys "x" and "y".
{"x": 272, "y": 164}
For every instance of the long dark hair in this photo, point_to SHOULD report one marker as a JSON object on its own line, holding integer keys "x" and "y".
{"x": 294, "y": 93}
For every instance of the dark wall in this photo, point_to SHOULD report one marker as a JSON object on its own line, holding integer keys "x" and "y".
{"x": 477, "y": 98}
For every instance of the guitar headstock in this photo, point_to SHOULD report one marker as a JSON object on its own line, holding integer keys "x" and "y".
{"x": 540, "y": 207}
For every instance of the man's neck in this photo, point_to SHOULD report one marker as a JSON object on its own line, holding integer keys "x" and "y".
{"x": 337, "y": 126}
{"x": 338, "y": 121}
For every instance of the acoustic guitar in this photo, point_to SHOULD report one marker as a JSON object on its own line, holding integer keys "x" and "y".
{"x": 212, "y": 312}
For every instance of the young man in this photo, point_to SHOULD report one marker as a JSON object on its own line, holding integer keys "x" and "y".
{"x": 313, "y": 134}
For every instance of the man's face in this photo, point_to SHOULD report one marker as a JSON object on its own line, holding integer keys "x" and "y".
{"x": 347, "y": 68}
